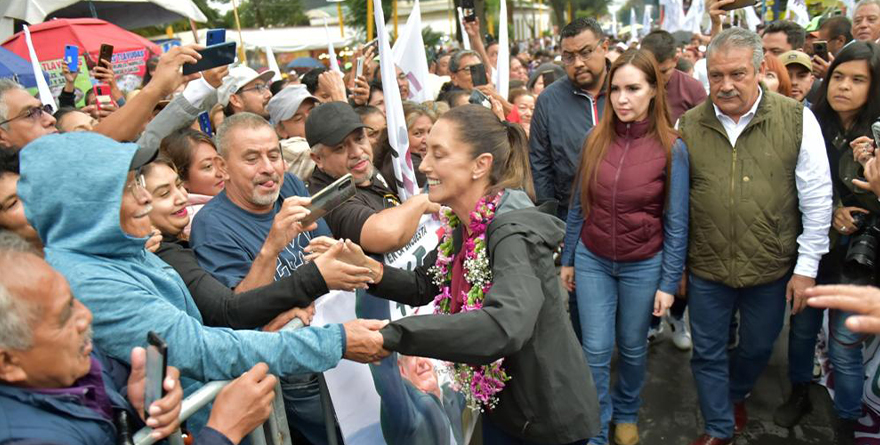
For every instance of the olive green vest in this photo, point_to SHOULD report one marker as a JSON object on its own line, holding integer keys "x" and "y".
{"x": 744, "y": 217}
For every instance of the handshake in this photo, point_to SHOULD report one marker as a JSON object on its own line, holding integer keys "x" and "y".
{"x": 363, "y": 342}
{"x": 345, "y": 266}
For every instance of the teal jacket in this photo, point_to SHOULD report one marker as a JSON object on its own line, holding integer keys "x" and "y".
{"x": 71, "y": 186}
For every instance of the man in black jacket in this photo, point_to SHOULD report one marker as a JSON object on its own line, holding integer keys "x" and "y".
{"x": 375, "y": 218}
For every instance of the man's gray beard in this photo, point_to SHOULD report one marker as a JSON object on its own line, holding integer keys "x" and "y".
{"x": 265, "y": 200}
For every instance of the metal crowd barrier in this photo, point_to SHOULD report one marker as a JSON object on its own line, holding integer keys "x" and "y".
{"x": 274, "y": 431}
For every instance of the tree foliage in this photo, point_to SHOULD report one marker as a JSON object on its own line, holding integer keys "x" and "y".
{"x": 267, "y": 13}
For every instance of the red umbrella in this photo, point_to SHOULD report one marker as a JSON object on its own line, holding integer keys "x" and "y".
{"x": 130, "y": 51}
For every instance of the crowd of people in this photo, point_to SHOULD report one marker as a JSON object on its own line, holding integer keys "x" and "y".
{"x": 712, "y": 187}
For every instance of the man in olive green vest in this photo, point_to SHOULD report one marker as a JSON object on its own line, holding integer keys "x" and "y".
{"x": 760, "y": 197}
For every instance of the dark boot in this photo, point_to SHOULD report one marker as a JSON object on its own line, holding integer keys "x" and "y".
{"x": 845, "y": 432}
{"x": 798, "y": 404}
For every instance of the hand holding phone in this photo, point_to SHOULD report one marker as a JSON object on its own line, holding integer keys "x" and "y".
{"x": 71, "y": 58}
{"x": 468, "y": 10}
{"x": 102, "y": 96}
{"x": 157, "y": 361}
{"x": 212, "y": 57}
{"x": 105, "y": 57}
{"x": 820, "y": 49}
{"x": 359, "y": 71}
{"x": 478, "y": 75}
{"x": 329, "y": 198}
{"x": 738, "y": 4}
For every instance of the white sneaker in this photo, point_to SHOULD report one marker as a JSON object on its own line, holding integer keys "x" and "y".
{"x": 681, "y": 337}
{"x": 654, "y": 333}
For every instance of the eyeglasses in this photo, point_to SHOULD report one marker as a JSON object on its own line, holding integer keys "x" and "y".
{"x": 34, "y": 113}
{"x": 584, "y": 54}
{"x": 138, "y": 188}
{"x": 258, "y": 88}
{"x": 466, "y": 68}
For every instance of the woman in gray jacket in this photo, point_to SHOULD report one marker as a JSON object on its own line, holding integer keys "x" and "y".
{"x": 499, "y": 312}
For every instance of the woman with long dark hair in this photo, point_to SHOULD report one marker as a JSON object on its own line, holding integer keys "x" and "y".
{"x": 626, "y": 234}
{"x": 848, "y": 104}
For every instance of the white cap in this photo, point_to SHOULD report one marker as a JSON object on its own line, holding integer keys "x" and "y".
{"x": 237, "y": 78}
{"x": 284, "y": 104}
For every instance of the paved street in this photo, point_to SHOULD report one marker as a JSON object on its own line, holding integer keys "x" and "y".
{"x": 671, "y": 414}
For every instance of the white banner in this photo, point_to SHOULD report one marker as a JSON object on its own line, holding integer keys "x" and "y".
{"x": 502, "y": 70}
{"x": 398, "y": 138}
{"x": 409, "y": 55}
{"x": 799, "y": 9}
{"x": 395, "y": 401}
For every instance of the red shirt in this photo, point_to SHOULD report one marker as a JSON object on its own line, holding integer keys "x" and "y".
{"x": 683, "y": 92}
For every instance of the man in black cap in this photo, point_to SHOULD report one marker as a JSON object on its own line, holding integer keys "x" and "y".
{"x": 374, "y": 218}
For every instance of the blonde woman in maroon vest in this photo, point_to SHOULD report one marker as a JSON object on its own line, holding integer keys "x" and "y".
{"x": 626, "y": 235}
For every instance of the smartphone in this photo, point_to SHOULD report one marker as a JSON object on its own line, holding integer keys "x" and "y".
{"x": 212, "y": 57}
{"x": 478, "y": 75}
{"x": 374, "y": 43}
{"x": 102, "y": 95}
{"x": 478, "y": 98}
{"x": 548, "y": 77}
{"x": 105, "y": 54}
{"x": 71, "y": 58}
{"x": 215, "y": 37}
{"x": 820, "y": 48}
{"x": 205, "y": 124}
{"x": 329, "y": 198}
{"x": 359, "y": 71}
{"x": 468, "y": 10}
{"x": 875, "y": 129}
{"x": 157, "y": 362}
{"x": 738, "y": 4}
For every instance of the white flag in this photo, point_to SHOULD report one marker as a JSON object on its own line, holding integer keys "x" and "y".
{"x": 646, "y": 21}
{"x": 273, "y": 64}
{"x": 409, "y": 55}
{"x": 502, "y": 71}
{"x": 850, "y": 8}
{"x": 799, "y": 9}
{"x": 42, "y": 87}
{"x": 693, "y": 17}
{"x": 465, "y": 40}
{"x": 752, "y": 19}
{"x": 632, "y": 25}
{"x": 614, "y": 25}
{"x": 404, "y": 176}
{"x": 331, "y": 52}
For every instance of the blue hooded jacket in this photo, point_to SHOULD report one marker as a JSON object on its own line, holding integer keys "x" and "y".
{"x": 72, "y": 187}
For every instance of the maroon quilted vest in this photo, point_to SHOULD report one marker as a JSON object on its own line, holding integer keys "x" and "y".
{"x": 626, "y": 210}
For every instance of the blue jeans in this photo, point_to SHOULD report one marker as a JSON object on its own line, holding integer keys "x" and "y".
{"x": 723, "y": 379}
{"x": 615, "y": 301}
{"x": 844, "y": 350}
{"x": 302, "y": 404}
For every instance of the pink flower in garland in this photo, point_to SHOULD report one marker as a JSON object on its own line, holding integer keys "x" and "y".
{"x": 480, "y": 384}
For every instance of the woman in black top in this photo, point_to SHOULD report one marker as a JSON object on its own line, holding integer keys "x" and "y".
{"x": 220, "y": 305}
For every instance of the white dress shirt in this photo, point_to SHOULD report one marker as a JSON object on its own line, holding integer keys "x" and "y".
{"x": 813, "y": 181}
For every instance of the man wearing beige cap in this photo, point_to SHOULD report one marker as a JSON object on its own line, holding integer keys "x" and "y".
{"x": 800, "y": 70}
{"x": 288, "y": 111}
{"x": 245, "y": 90}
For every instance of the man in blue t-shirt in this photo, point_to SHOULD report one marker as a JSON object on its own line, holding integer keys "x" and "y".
{"x": 250, "y": 234}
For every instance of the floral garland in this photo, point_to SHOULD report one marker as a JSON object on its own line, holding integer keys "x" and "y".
{"x": 479, "y": 384}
